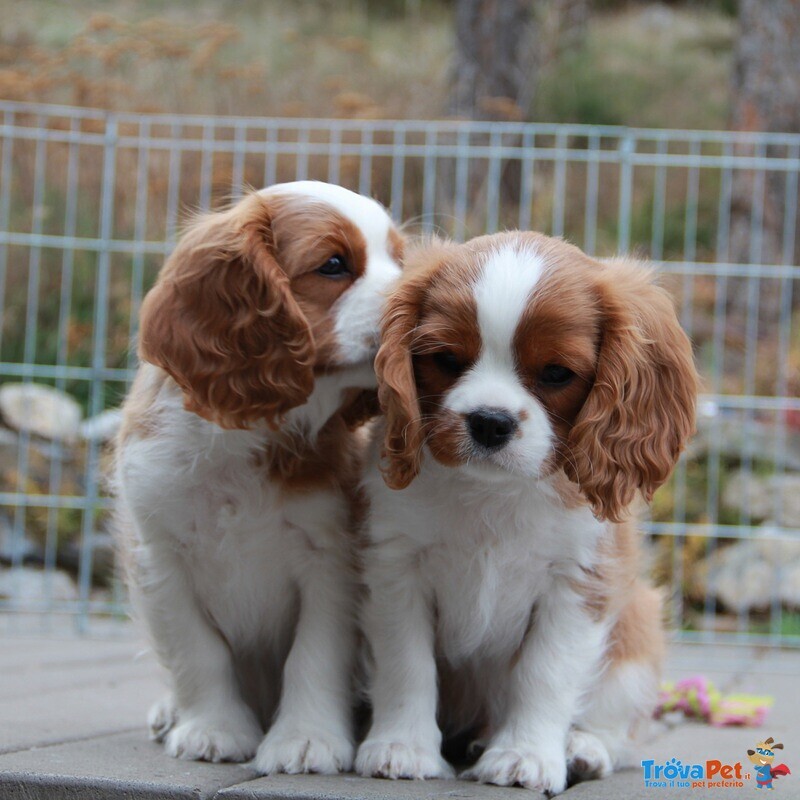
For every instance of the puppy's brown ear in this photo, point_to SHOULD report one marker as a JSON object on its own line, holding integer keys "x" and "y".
{"x": 751, "y": 752}
{"x": 641, "y": 409}
{"x": 222, "y": 321}
{"x": 397, "y": 389}
{"x": 778, "y": 746}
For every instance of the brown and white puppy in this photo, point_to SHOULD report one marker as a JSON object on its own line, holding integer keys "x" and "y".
{"x": 237, "y": 471}
{"x": 531, "y": 393}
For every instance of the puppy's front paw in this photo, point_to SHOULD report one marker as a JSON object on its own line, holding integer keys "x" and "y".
{"x": 199, "y": 738}
{"x": 162, "y": 718}
{"x": 296, "y": 750}
{"x": 512, "y": 766}
{"x": 380, "y": 759}
{"x": 587, "y": 757}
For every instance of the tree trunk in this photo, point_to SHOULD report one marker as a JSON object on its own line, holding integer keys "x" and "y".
{"x": 495, "y": 59}
{"x": 492, "y": 79}
{"x": 766, "y": 97}
{"x": 767, "y": 68}
{"x": 501, "y": 48}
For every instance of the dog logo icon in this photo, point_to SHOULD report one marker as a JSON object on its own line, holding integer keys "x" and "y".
{"x": 762, "y": 758}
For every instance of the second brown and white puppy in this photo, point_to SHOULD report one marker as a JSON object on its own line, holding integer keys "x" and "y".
{"x": 237, "y": 472}
{"x": 531, "y": 393}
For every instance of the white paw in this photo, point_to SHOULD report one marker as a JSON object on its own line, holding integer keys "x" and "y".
{"x": 161, "y": 718}
{"x": 296, "y": 751}
{"x": 587, "y": 757}
{"x": 199, "y": 738}
{"x": 520, "y": 767}
{"x": 380, "y": 759}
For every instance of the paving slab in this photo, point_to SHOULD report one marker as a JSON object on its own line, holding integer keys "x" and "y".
{"x": 72, "y": 714}
{"x": 120, "y": 767}
{"x": 40, "y": 680}
{"x": 628, "y": 785}
{"x": 50, "y": 718}
{"x": 57, "y": 690}
{"x": 352, "y": 787}
{"x": 21, "y": 651}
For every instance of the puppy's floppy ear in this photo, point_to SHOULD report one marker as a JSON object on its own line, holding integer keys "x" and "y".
{"x": 397, "y": 388}
{"x": 223, "y": 322}
{"x": 641, "y": 409}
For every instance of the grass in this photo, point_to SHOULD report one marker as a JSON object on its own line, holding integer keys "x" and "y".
{"x": 259, "y": 58}
{"x": 757, "y": 623}
{"x": 645, "y": 65}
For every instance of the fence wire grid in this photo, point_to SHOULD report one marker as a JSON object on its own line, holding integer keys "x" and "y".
{"x": 91, "y": 202}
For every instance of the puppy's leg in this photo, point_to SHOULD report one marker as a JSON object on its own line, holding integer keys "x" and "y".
{"x": 404, "y": 740}
{"x": 313, "y": 728}
{"x": 620, "y": 704}
{"x": 213, "y": 724}
{"x": 619, "y": 708}
{"x": 162, "y": 718}
{"x": 554, "y": 665}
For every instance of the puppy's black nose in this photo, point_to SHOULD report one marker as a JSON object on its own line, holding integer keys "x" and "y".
{"x": 491, "y": 428}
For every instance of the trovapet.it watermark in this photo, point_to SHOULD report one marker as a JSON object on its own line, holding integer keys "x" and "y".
{"x": 716, "y": 774}
{"x": 710, "y": 774}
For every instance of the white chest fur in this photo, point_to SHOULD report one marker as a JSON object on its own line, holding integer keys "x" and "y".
{"x": 206, "y": 494}
{"x": 485, "y": 552}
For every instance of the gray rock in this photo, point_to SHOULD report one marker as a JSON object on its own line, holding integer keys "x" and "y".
{"x": 40, "y": 410}
{"x": 35, "y": 587}
{"x": 750, "y": 575}
{"x": 17, "y": 551}
{"x": 40, "y": 448}
{"x": 726, "y": 433}
{"x": 774, "y": 499}
{"x": 103, "y": 427}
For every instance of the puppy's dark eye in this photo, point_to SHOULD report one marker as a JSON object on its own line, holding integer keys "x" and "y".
{"x": 334, "y": 267}
{"x": 556, "y": 375}
{"x": 448, "y": 362}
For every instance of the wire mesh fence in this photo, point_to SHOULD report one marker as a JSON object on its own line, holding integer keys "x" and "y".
{"x": 91, "y": 202}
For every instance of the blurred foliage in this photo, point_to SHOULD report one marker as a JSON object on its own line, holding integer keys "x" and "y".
{"x": 300, "y": 59}
{"x": 674, "y": 222}
{"x": 640, "y": 63}
{"x": 653, "y": 66}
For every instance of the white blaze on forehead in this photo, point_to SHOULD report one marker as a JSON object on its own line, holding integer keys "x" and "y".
{"x": 501, "y": 293}
{"x": 508, "y": 277}
{"x": 357, "y": 312}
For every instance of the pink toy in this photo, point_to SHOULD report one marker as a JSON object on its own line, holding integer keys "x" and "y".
{"x": 698, "y": 698}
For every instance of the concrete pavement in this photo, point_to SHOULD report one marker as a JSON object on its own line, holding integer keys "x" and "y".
{"x": 72, "y": 726}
